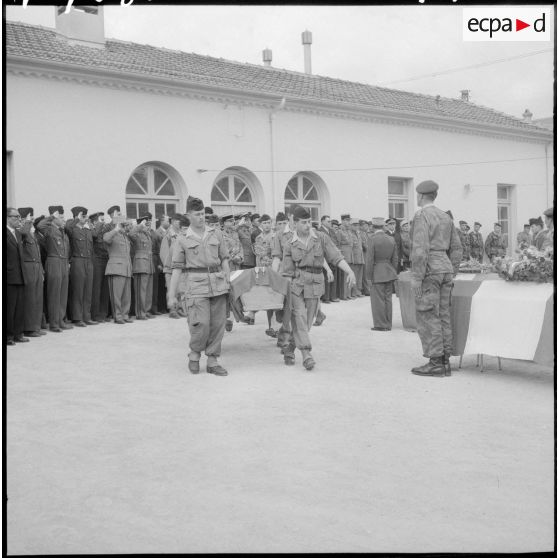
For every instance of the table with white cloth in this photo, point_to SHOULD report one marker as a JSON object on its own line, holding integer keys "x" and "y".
{"x": 491, "y": 316}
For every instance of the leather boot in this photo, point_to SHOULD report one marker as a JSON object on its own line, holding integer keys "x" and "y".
{"x": 447, "y": 365}
{"x": 288, "y": 353}
{"x": 307, "y": 361}
{"x": 434, "y": 367}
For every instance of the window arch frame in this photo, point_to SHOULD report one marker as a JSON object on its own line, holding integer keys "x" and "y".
{"x": 233, "y": 205}
{"x": 315, "y": 206}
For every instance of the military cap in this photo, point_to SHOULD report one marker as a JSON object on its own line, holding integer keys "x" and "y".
{"x": 183, "y": 219}
{"x": 208, "y": 210}
{"x": 54, "y": 208}
{"x": 25, "y": 211}
{"x": 255, "y": 216}
{"x": 146, "y": 217}
{"x": 378, "y": 221}
{"x": 390, "y": 220}
{"x": 345, "y": 216}
{"x": 227, "y": 217}
{"x": 462, "y": 222}
{"x": 477, "y": 223}
{"x": 404, "y": 222}
{"x": 112, "y": 209}
{"x": 526, "y": 226}
{"x": 280, "y": 217}
{"x": 79, "y": 209}
{"x": 315, "y": 224}
{"x": 194, "y": 204}
{"x": 335, "y": 222}
{"x": 301, "y": 213}
{"x": 549, "y": 212}
{"x": 536, "y": 221}
{"x": 265, "y": 217}
{"x": 362, "y": 222}
{"x": 427, "y": 187}
{"x": 499, "y": 224}
{"x": 354, "y": 221}
{"x": 212, "y": 218}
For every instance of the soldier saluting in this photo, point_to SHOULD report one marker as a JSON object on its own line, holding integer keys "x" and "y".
{"x": 435, "y": 256}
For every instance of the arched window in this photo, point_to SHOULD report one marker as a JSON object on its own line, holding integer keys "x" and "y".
{"x": 231, "y": 194}
{"x": 150, "y": 188}
{"x": 302, "y": 191}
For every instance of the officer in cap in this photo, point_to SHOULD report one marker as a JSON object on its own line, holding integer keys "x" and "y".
{"x": 202, "y": 255}
{"x": 142, "y": 266}
{"x": 303, "y": 260}
{"x": 476, "y": 242}
{"x": 435, "y": 256}
{"x": 496, "y": 243}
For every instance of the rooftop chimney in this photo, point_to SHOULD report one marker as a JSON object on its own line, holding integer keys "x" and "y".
{"x": 266, "y": 55}
{"x": 83, "y": 25}
{"x": 527, "y": 115}
{"x": 465, "y": 94}
{"x": 307, "y": 41}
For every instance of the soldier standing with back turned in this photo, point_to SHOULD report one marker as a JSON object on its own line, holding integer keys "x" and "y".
{"x": 435, "y": 257}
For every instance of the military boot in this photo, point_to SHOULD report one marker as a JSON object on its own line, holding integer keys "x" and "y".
{"x": 288, "y": 353}
{"x": 447, "y": 365}
{"x": 434, "y": 367}
{"x": 307, "y": 361}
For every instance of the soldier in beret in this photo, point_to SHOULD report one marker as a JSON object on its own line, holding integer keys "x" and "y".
{"x": 34, "y": 276}
{"x": 57, "y": 246}
{"x": 435, "y": 257}
{"x": 203, "y": 256}
{"x": 81, "y": 267}
{"x": 303, "y": 260}
{"x": 549, "y": 221}
{"x": 142, "y": 266}
{"x": 496, "y": 243}
{"x": 476, "y": 243}
{"x": 524, "y": 238}
{"x": 464, "y": 239}
{"x": 537, "y": 232}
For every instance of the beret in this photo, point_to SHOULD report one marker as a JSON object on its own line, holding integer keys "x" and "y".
{"x": 549, "y": 212}
{"x": 536, "y": 221}
{"x": 54, "y": 208}
{"x": 25, "y": 211}
{"x": 112, "y": 209}
{"x": 378, "y": 221}
{"x": 265, "y": 217}
{"x": 212, "y": 218}
{"x": 301, "y": 213}
{"x": 404, "y": 222}
{"x": 208, "y": 210}
{"x": 255, "y": 216}
{"x": 280, "y": 217}
{"x": 79, "y": 209}
{"x": 345, "y": 216}
{"x": 194, "y": 204}
{"x": 477, "y": 223}
{"x": 227, "y": 217}
{"x": 427, "y": 187}
{"x": 38, "y": 220}
{"x": 462, "y": 222}
{"x": 93, "y": 216}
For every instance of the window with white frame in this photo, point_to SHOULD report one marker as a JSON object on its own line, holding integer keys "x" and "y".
{"x": 302, "y": 191}
{"x": 151, "y": 189}
{"x": 398, "y": 197}
{"x": 505, "y": 209}
{"x": 231, "y": 194}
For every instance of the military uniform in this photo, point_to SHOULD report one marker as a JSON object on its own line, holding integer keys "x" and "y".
{"x": 15, "y": 285}
{"x": 119, "y": 272}
{"x": 523, "y": 240}
{"x": 57, "y": 246}
{"x": 476, "y": 245}
{"x": 435, "y": 257}
{"x": 206, "y": 289}
{"x": 232, "y": 241}
{"x": 495, "y": 245}
{"x": 358, "y": 263}
{"x": 381, "y": 272}
{"x": 248, "y": 256}
{"x": 263, "y": 248}
{"x": 155, "y": 254}
{"x": 100, "y": 291}
{"x": 465, "y": 243}
{"x": 142, "y": 269}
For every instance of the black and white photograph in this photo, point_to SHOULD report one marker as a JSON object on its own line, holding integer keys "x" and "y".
{"x": 279, "y": 278}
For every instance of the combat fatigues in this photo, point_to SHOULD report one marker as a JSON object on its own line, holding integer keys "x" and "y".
{"x": 345, "y": 240}
{"x": 100, "y": 292}
{"x": 404, "y": 251}
{"x": 232, "y": 242}
{"x": 495, "y": 245}
{"x": 381, "y": 272}
{"x": 206, "y": 289}
{"x": 57, "y": 246}
{"x": 119, "y": 272}
{"x": 304, "y": 263}
{"x": 34, "y": 280}
{"x": 263, "y": 248}
{"x": 248, "y": 256}
{"x": 476, "y": 244}
{"x": 142, "y": 269}
{"x": 435, "y": 257}
{"x": 81, "y": 271}
{"x": 465, "y": 244}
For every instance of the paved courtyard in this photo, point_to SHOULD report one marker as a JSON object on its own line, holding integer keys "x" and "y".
{"x": 113, "y": 447}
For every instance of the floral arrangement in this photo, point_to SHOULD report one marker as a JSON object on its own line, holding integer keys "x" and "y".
{"x": 474, "y": 266}
{"x": 532, "y": 265}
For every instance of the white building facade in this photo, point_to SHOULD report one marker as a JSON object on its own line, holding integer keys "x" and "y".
{"x": 98, "y": 122}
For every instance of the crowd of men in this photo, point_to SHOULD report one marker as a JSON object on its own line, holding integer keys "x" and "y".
{"x": 91, "y": 269}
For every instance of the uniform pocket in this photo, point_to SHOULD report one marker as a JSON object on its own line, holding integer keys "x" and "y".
{"x": 193, "y": 313}
{"x": 219, "y": 283}
{"x": 197, "y": 284}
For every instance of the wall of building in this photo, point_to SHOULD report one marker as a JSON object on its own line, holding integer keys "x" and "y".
{"x": 77, "y": 144}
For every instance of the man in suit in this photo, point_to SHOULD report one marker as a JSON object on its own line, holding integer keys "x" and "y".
{"x": 57, "y": 245}
{"x": 15, "y": 279}
{"x": 34, "y": 276}
{"x": 81, "y": 267}
{"x": 142, "y": 266}
{"x": 99, "y": 295}
{"x": 381, "y": 272}
{"x": 119, "y": 268}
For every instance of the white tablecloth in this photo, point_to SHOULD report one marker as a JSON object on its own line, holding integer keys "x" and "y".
{"x": 506, "y": 319}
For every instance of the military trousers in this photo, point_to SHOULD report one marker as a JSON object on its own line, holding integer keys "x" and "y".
{"x": 303, "y": 312}
{"x": 153, "y": 307}
{"x": 342, "y": 288}
{"x": 358, "y": 270}
{"x": 33, "y": 296}
{"x": 81, "y": 288}
{"x": 206, "y": 322}
{"x": 119, "y": 288}
{"x": 100, "y": 291}
{"x": 433, "y": 315}
{"x": 14, "y": 311}
{"x": 143, "y": 292}
{"x": 380, "y": 300}
{"x": 57, "y": 276}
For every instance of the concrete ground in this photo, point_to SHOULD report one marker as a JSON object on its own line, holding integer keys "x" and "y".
{"x": 113, "y": 447}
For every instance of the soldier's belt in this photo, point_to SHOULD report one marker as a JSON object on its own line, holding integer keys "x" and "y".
{"x": 311, "y": 269}
{"x": 212, "y": 269}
